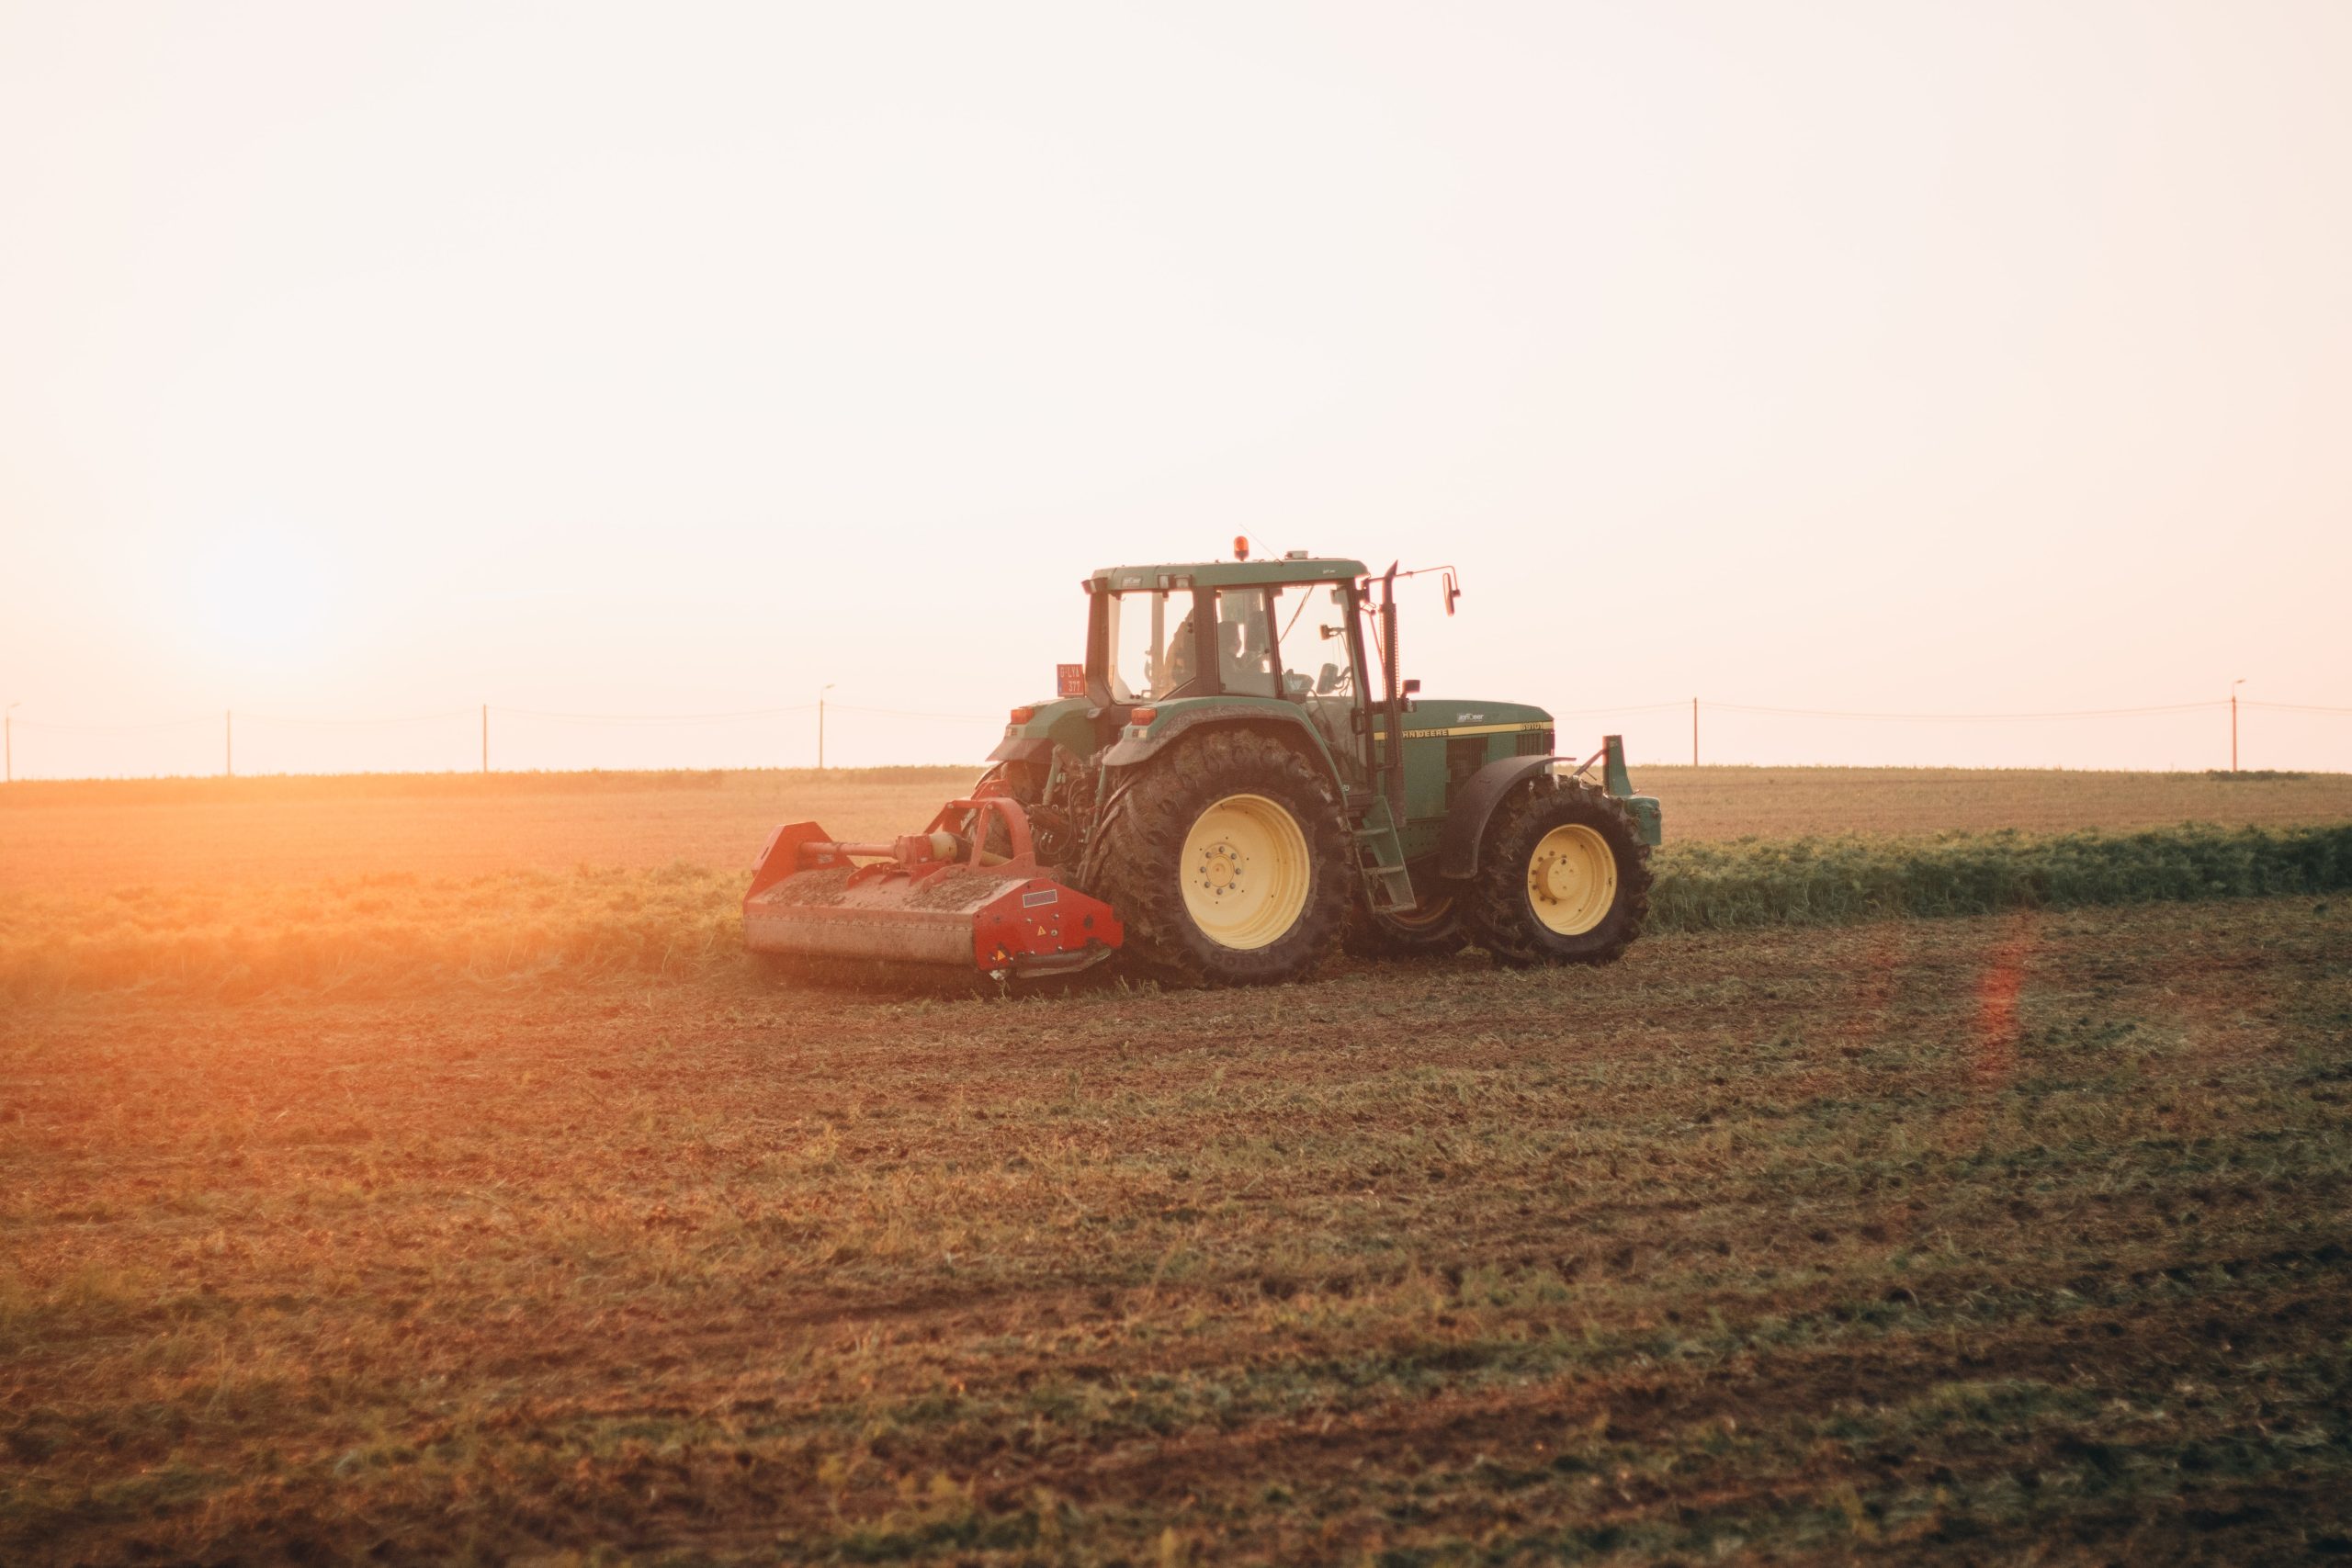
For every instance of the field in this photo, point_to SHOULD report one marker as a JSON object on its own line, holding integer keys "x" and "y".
{"x": 2008, "y": 1236}
{"x": 99, "y": 835}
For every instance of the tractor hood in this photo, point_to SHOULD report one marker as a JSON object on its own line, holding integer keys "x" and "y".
{"x": 1064, "y": 721}
{"x": 1456, "y": 715}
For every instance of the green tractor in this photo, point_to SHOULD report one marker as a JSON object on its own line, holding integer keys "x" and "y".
{"x": 1236, "y": 781}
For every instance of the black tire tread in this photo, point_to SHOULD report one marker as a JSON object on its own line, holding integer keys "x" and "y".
{"x": 1494, "y": 906}
{"x": 1132, "y": 858}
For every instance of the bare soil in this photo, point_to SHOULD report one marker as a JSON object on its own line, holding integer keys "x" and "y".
{"x": 2022, "y": 1237}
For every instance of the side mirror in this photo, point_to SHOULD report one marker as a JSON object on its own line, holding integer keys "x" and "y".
{"x": 1327, "y": 633}
{"x": 1411, "y": 687}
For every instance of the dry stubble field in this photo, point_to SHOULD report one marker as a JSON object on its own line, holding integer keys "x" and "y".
{"x": 1966, "y": 1238}
{"x": 85, "y": 836}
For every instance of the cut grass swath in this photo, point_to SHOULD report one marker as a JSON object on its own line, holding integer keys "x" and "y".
{"x": 374, "y": 935}
{"x": 1717, "y": 886}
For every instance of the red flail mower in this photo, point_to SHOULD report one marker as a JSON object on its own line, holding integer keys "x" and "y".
{"x": 940, "y": 896}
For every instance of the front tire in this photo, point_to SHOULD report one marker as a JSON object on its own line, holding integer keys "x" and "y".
{"x": 1226, "y": 861}
{"x": 1564, "y": 879}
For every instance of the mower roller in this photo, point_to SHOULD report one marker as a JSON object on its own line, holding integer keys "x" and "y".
{"x": 1233, "y": 786}
{"x": 938, "y": 896}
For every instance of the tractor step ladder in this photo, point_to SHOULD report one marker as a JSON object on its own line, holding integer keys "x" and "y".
{"x": 1386, "y": 883}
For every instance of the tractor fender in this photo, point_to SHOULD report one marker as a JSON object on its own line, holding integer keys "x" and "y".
{"x": 1288, "y": 723}
{"x": 1473, "y": 807}
{"x": 1022, "y": 749}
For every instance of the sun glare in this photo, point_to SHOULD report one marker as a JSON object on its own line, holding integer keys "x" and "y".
{"x": 264, "y": 597}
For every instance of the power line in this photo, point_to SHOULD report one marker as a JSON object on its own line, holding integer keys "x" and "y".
{"x": 1966, "y": 718}
{"x": 354, "y": 723}
{"x": 906, "y": 713}
{"x": 1622, "y": 707}
{"x": 741, "y": 714}
{"x": 150, "y": 724}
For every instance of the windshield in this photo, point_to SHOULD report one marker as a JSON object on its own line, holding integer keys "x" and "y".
{"x": 1151, "y": 645}
{"x": 1317, "y": 663}
{"x": 1280, "y": 640}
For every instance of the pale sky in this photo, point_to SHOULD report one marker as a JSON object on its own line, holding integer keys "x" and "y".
{"x": 367, "y": 362}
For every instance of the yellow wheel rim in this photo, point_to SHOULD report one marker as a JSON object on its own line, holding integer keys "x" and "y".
{"x": 1245, "y": 873}
{"x": 1571, "y": 879}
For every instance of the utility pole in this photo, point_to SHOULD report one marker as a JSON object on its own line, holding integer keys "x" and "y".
{"x": 1694, "y": 732}
{"x": 228, "y": 743}
{"x": 8, "y": 742}
{"x": 485, "y": 740}
{"x": 2233, "y": 722}
{"x": 821, "y": 723}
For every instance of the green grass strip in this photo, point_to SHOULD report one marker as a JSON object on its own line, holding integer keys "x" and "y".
{"x": 1755, "y": 882}
{"x": 382, "y": 934}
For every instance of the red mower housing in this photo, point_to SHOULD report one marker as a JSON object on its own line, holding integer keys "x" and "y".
{"x": 937, "y": 896}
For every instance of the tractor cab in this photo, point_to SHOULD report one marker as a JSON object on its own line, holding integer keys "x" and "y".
{"x": 1186, "y": 639}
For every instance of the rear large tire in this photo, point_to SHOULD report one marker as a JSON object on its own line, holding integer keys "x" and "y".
{"x": 1226, "y": 861}
{"x": 1564, "y": 877}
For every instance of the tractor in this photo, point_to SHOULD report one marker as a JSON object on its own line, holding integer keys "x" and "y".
{"x": 1236, "y": 781}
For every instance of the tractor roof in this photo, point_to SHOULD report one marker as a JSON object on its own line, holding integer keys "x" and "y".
{"x": 1228, "y": 573}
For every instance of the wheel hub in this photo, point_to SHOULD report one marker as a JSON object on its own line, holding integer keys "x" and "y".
{"x": 1245, "y": 874}
{"x": 1571, "y": 879}
{"x": 1220, "y": 869}
{"x": 1555, "y": 877}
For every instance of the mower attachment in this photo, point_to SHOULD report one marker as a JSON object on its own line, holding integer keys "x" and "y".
{"x": 936, "y": 896}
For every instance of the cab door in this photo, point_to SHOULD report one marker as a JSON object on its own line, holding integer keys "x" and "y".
{"x": 1322, "y": 669}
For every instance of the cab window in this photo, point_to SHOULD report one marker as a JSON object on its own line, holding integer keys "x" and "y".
{"x": 1151, "y": 646}
{"x": 1320, "y": 666}
{"x": 1245, "y": 643}
{"x": 1317, "y": 659}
